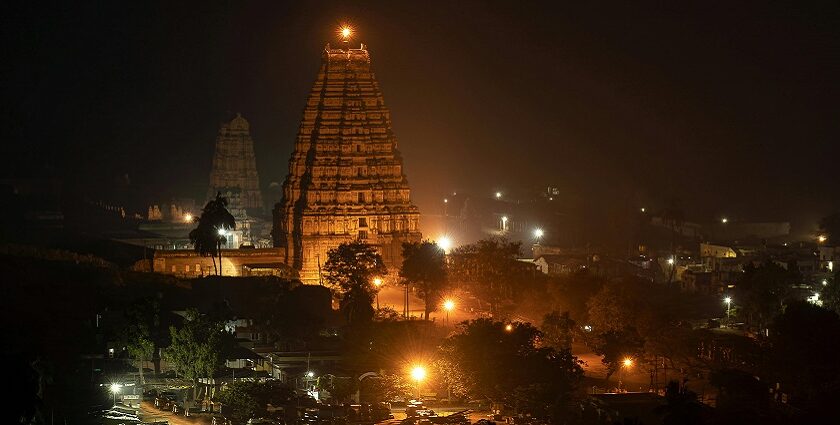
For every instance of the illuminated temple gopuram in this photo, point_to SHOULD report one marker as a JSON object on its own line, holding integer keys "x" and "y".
{"x": 346, "y": 178}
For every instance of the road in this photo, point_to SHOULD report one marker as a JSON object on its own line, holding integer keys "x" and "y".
{"x": 392, "y": 296}
{"x": 148, "y": 413}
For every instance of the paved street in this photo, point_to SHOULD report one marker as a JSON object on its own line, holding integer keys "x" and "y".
{"x": 148, "y": 413}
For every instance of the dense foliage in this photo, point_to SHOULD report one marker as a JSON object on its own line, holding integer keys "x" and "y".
{"x": 350, "y": 270}
{"x": 424, "y": 267}
{"x": 485, "y": 360}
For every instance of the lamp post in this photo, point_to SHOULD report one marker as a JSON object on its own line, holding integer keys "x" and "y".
{"x": 378, "y": 283}
{"x": 115, "y": 388}
{"x": 448, "y": 305}
{"x": 728, "y": 301}
{"x": 627, "y": 363}
{"x": 418, "y": 374}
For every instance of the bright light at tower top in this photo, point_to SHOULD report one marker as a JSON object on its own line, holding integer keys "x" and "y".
{"x": 345, "y": 31}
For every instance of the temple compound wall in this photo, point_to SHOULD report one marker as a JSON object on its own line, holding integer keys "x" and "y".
{"x": 346, "y": 179}
{"x": 235, "y": 262}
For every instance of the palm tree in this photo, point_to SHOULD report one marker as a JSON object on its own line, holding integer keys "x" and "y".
{"x": 213, "y": 226}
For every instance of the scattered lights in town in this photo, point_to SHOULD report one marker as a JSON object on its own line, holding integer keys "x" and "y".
{"x": 504, "y": 219}
{"x": 445, "y": 243}
{"x": 222, "y": 232}
{"x": 642, "y": 209}
{"x": 550, "y": 198}
{"x": 587, "y": 328}
{"x": 418, "y": 373}
{"x": 377, "y": 281}
{"x": 671, "y": 261}
{"x": 724, "y": 220}
{"x": 538, "y": 233}
{"x": 445, "y": 201}
{"x": 188, "y": 218}
{"x": 627, "y": 362}
{"x": 498, "y": 195}
{"x": 822, "y": 238}
{"x": 509, "y": 328}
{"x": 825, "y": 282}
{"x": 831, "y": 265}
{"x": 449, "y": 305}
{"x": 115, "y": 387}
{"x": 310, "y": 374}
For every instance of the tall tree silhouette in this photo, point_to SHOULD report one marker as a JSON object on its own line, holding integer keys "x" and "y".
{"x": 213, "y": 226}
{"x": 350, "y": 270}
{"x": 424, "y": 265}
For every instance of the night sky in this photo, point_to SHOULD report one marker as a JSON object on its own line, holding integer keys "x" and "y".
{"x": 727, "y": 107}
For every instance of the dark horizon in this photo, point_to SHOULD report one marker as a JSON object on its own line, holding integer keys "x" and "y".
{"x": 729, "y": 109}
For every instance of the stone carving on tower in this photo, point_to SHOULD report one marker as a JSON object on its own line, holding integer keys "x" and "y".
{"x": 234, "y": 170}
{"x": 346, "y": 178}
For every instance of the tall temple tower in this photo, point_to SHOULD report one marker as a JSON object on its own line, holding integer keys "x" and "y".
{"x": 346, "y": 177}
{"x": 234, "y": 170}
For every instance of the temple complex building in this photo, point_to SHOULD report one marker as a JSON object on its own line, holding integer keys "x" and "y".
{"x": 346, "y": 179}
{"x": 234, "y": 170}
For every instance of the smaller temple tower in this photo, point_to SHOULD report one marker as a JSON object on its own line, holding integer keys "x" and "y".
{"x": 234, "y": 170}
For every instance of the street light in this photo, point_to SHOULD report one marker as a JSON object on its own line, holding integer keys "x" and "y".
{"x": 498, "y": 195}
{"x": 822, "y": 238}
{"x": 504, "y": 222}
{"x": 448, "y": 305}
{"x": 445, "y": 243}
{"x": 418, "y": 374}
{"x": 627, "y": 363}
{"x": 509, "y": 328}
{"x": 642, "y": 209}
{"x": 378, "y": 283}
{"x": 671, "y": 261}
{"x": 728, "y": 301}
{"x": 538, "y": 233}
{"x": 115, "y": 388}
{"x": 188, "y": 218}
{"x": 724, "y": 220}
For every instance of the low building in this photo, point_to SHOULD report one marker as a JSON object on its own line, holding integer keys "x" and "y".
{"x": 235, "y": 262}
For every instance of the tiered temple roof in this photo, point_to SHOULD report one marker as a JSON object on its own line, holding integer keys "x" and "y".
{"x": 346, "y": 178}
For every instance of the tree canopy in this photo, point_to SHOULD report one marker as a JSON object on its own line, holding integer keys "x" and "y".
{"x": 350, "y": 270}
{"x": 485, "y": 360}
{"x": 760, "y": 291}
{"x": 198, "y": 348}
{"x": 249, "y": 399}
{"x": 488, "y": 269}
{"x": 424, "y": 266}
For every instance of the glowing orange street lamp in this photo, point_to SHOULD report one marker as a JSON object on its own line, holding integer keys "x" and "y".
{"x": 627, "y": 363}
{"x": 448, "y": 305}
{"x": 418, "y": 374}
{"x": 509, "y": 328}
{"x": 377, "y": 282}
